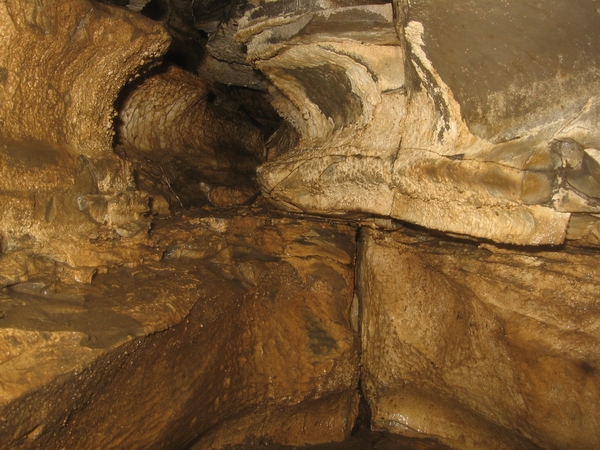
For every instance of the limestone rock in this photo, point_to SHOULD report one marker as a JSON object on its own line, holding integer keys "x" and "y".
{"x": 241, "y": 332}
{"x": 72, "y": 43}
{"x": 177, "y": 136}
{"x": 63, "y": 192}
{"x": 480, "y": 346}
{"x": 386, "y": 125}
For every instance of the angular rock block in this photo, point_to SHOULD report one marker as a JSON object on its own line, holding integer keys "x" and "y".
{"x": 241, "y": 333}
{"x": 480, "y": 346}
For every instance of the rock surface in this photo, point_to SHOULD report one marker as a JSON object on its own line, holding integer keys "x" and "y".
{"x": 63, "y": 192}
{"x": 480, "y": 346}
{"x": 180, "y": 141}
{"x": 217, "y": 327}
{"x": 241, "y": 331}
{"x": 65, "y": 195}
{"x": 384, "y": 124}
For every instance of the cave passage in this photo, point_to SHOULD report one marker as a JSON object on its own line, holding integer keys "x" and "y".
{"x": 299, "y": 224}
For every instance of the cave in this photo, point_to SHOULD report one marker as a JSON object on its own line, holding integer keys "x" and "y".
{"x": 328, "y": 224}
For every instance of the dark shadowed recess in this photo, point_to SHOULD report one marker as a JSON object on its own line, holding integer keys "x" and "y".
{"x": 362, "y": 438}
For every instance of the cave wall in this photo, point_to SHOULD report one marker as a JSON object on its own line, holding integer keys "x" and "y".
{"x": 397, "y": 122}
{"x": 63, "y": 191}
{"x": 240, "y": 333}
{"x": 480, "y": 346}
{"x": 215, "y": 327}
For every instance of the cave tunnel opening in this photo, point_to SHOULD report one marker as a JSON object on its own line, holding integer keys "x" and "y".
{"x": 184, "y": 181}
{"x": 299, "y": 224}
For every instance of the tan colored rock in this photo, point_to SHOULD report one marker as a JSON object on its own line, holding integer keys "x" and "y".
{"x": 480, "y": 346}
{"x": 386, "y": 126}
{"x": 177, "y": 136}
{"x": 241, "y": 332}
{"x": 59, "y": 101}
{"x": 64, "y": 194}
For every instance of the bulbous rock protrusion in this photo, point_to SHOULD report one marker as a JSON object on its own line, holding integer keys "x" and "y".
{"x": 63, "y": 191}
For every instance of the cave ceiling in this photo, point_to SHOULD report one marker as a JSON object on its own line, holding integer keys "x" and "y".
{"x": 402, "y": 193}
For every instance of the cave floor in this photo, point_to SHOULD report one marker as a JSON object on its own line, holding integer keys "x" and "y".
{"x": 362, "y": 439}
{"x": 192, "y": 260}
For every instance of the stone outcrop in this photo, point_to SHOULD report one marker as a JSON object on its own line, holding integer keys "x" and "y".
{"x": 66, "y": 196}
{"x": 241, "y": 332}
{"x": 134, "y": 313}
{"x": 480, "y": 346}
{"x": 386, "y": 125}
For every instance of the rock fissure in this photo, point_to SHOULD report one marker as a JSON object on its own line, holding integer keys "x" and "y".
{"x": 295, "y": 206}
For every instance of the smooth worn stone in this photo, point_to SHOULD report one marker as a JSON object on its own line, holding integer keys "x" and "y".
{"x": 513, "y": 66}
{"x": 480, "y": 346}
{"x": 386, "y": 126}
{"x": 242, "y": 331}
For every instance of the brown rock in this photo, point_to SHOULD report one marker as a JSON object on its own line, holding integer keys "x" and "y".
{"x": 56, "y": 100}
{"x": 241, "y": 333}
{"x": 480, "y": 346}
{"x": 177, "y": 136}
{"x": 64, "y": 194}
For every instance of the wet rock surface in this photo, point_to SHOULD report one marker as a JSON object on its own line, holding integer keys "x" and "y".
{"x": 478, "y": 345}
{"x": 362, "y": 437}
{"x": 183, "y": 143}
{"x": 63, "y": 191}
{"x": 242, "y": 330}
{"x": 124, "y": 325}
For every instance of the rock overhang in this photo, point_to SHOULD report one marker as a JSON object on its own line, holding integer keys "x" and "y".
{"x": 387, "y": 127}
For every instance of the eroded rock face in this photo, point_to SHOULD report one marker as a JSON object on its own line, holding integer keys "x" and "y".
{"x": 63, "y": 191}
{"x": 480, "y": 346}
{"x": 476, "y": 119}
{"x": 53, "y": 101}
{"x": 240, "y": 333}
{"x": 65, "y": 194}
{"x": 184, "y": 145}
{"x": 387, "y": 125}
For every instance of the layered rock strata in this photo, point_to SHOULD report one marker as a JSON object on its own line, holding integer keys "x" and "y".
{"x": 479, "y": 120}
{"x": 480, "y": 346}
{"x": 383, "y": 124}
{"x": 241, "y": 332}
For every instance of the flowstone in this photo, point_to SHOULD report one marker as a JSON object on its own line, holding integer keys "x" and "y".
{"x": 384, "y": 116}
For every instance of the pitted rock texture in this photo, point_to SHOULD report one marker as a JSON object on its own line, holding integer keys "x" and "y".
{"x": 480, "y": 346}
{"x": 378, "y": 129}
{"x": 65, "y": 195}
{"x": 242, "y": 331}
{"x": 56, "y": 101}
{"x": 63, "y": 192}
{"x": 183, "y": 143}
